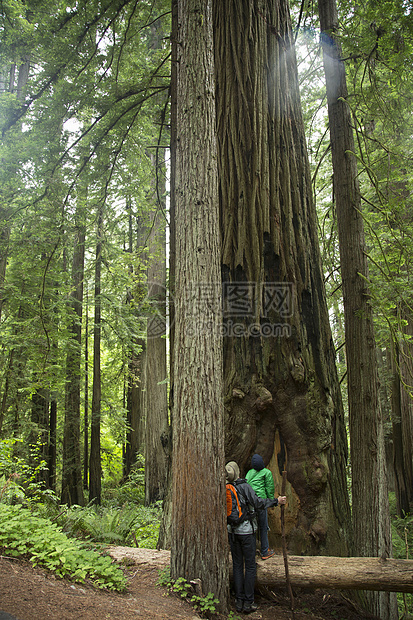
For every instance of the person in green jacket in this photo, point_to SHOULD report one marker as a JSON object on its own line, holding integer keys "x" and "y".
{"x": 261, "y": 480}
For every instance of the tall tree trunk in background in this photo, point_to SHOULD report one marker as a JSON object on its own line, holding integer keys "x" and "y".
{"x": 86, "y": 403}
{"x": 282, "y": 395}
{"x": 95, "y": 467}
{"x": 14, "y": 363}
{"x": 135, "y": 389}
{"x": 135, "y": 405}
{"x": 198, "y": 422}
{"x": 402, "y": 424}
{"x": 164, "y": 539}
{"x": 52, "y": 453}
{"x": 39, "y": 435}
{"x": 13, "y": 387}
{"x": 72, "y": 485}
{"x": 19, "y": 90}
{"x": 157, "y": 427}
{"x": 157, "y": 435}
{"x": 406, "y": 372}
{"x": 371, "y": 520}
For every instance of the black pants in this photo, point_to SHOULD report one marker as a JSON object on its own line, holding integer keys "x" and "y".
{"x": 243, "y": 548}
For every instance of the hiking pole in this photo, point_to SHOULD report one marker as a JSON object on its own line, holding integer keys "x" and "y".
{"x": 287, "y": 574}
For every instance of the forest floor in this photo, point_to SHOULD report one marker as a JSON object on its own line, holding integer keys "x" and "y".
{"x": 28, "y": 593}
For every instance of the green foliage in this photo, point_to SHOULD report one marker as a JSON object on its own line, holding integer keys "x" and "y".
{"x": 121, "y": 520}
{"x": 164, "y": 577}
{"x": 132, "y": 490}
{"x": 181, "y": 587}
{"x": 206, "y": 605}
{"x": 123, "y": 525}
{"x": 23, "y": 533}
{"x": 19, "y": 481}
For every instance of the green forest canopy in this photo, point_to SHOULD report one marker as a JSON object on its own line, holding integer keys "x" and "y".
{"x": 85, "y": 119}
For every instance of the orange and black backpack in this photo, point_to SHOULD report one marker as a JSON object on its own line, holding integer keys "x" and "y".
{"x": 237, "y": 509}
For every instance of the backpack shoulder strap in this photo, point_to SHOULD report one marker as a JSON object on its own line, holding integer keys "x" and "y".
{"x": 235, "y": 491}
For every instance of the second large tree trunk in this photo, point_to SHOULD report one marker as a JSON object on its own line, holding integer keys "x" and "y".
{"x": 282, "y": 395}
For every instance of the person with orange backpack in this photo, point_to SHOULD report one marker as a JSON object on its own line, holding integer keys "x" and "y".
{"x": 242, "y": 506}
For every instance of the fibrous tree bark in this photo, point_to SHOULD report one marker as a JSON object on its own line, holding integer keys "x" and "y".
{"x": 157, "y": 435}
{"x": 136, "y": 363}
{"x": 17, "y": 88}
{"x": 282, "y": 395}
{"x": 72, "y": 485}
{"x": 371, "y": 520}
{"x": 198, "y": 431}
{"x": 164, "y": 539}
{"x": 95, "y": 465}
{"x": 402, "y": 421}
{"x": 157, "y": 426}
{"x": 39, "y": 434}
{"x": 9, "y": 84}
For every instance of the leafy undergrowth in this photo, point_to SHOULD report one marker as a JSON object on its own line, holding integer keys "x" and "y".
{"x": 23, "y": 533}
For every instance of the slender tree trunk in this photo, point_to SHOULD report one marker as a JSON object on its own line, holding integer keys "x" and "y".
{"x": 135, "y": 392}
{"x": 400, "y": 363}
{"x": 371, "y": 520}
{"x": 157, "y": 437}
{"x": 135, "y": 406}
{"x": 406, "y": 372}
{"x": 6, "y": 386}
{"x": 19, "y": 90}
{"x": 95, "y": 467}
{"x": 198, "y": 429}
{"x": 72, "y": 485}
{"x": 164, "y": 540}
{"x": 282, "y": 395}
{"x": 401, "y": 489}
{"x": 52, "y": 453}
{"x": 86, "y": 403}
{"x": 39, "y": 435}
{"x": 5, "y": 230}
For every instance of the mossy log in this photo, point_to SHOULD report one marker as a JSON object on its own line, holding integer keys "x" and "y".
{"x": 310, "y": 572}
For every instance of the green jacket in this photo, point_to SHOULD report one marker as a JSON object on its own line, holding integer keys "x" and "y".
{"x": 262, "y": 482}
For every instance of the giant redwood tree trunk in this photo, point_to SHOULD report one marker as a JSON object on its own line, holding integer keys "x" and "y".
{"x": 282, "y": 396}
{"x": 198, "y": 492}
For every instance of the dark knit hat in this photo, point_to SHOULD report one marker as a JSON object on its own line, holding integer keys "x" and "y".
{"x": 232, "y": 470}
{"x": 257, "y": 462}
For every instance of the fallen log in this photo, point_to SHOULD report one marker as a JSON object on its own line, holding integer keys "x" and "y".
{"x": 338, "y": 573}
{"x": 309, "y": 572}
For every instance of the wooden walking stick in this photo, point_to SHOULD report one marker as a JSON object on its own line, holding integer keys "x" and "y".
{"x": 284, "y": 543}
